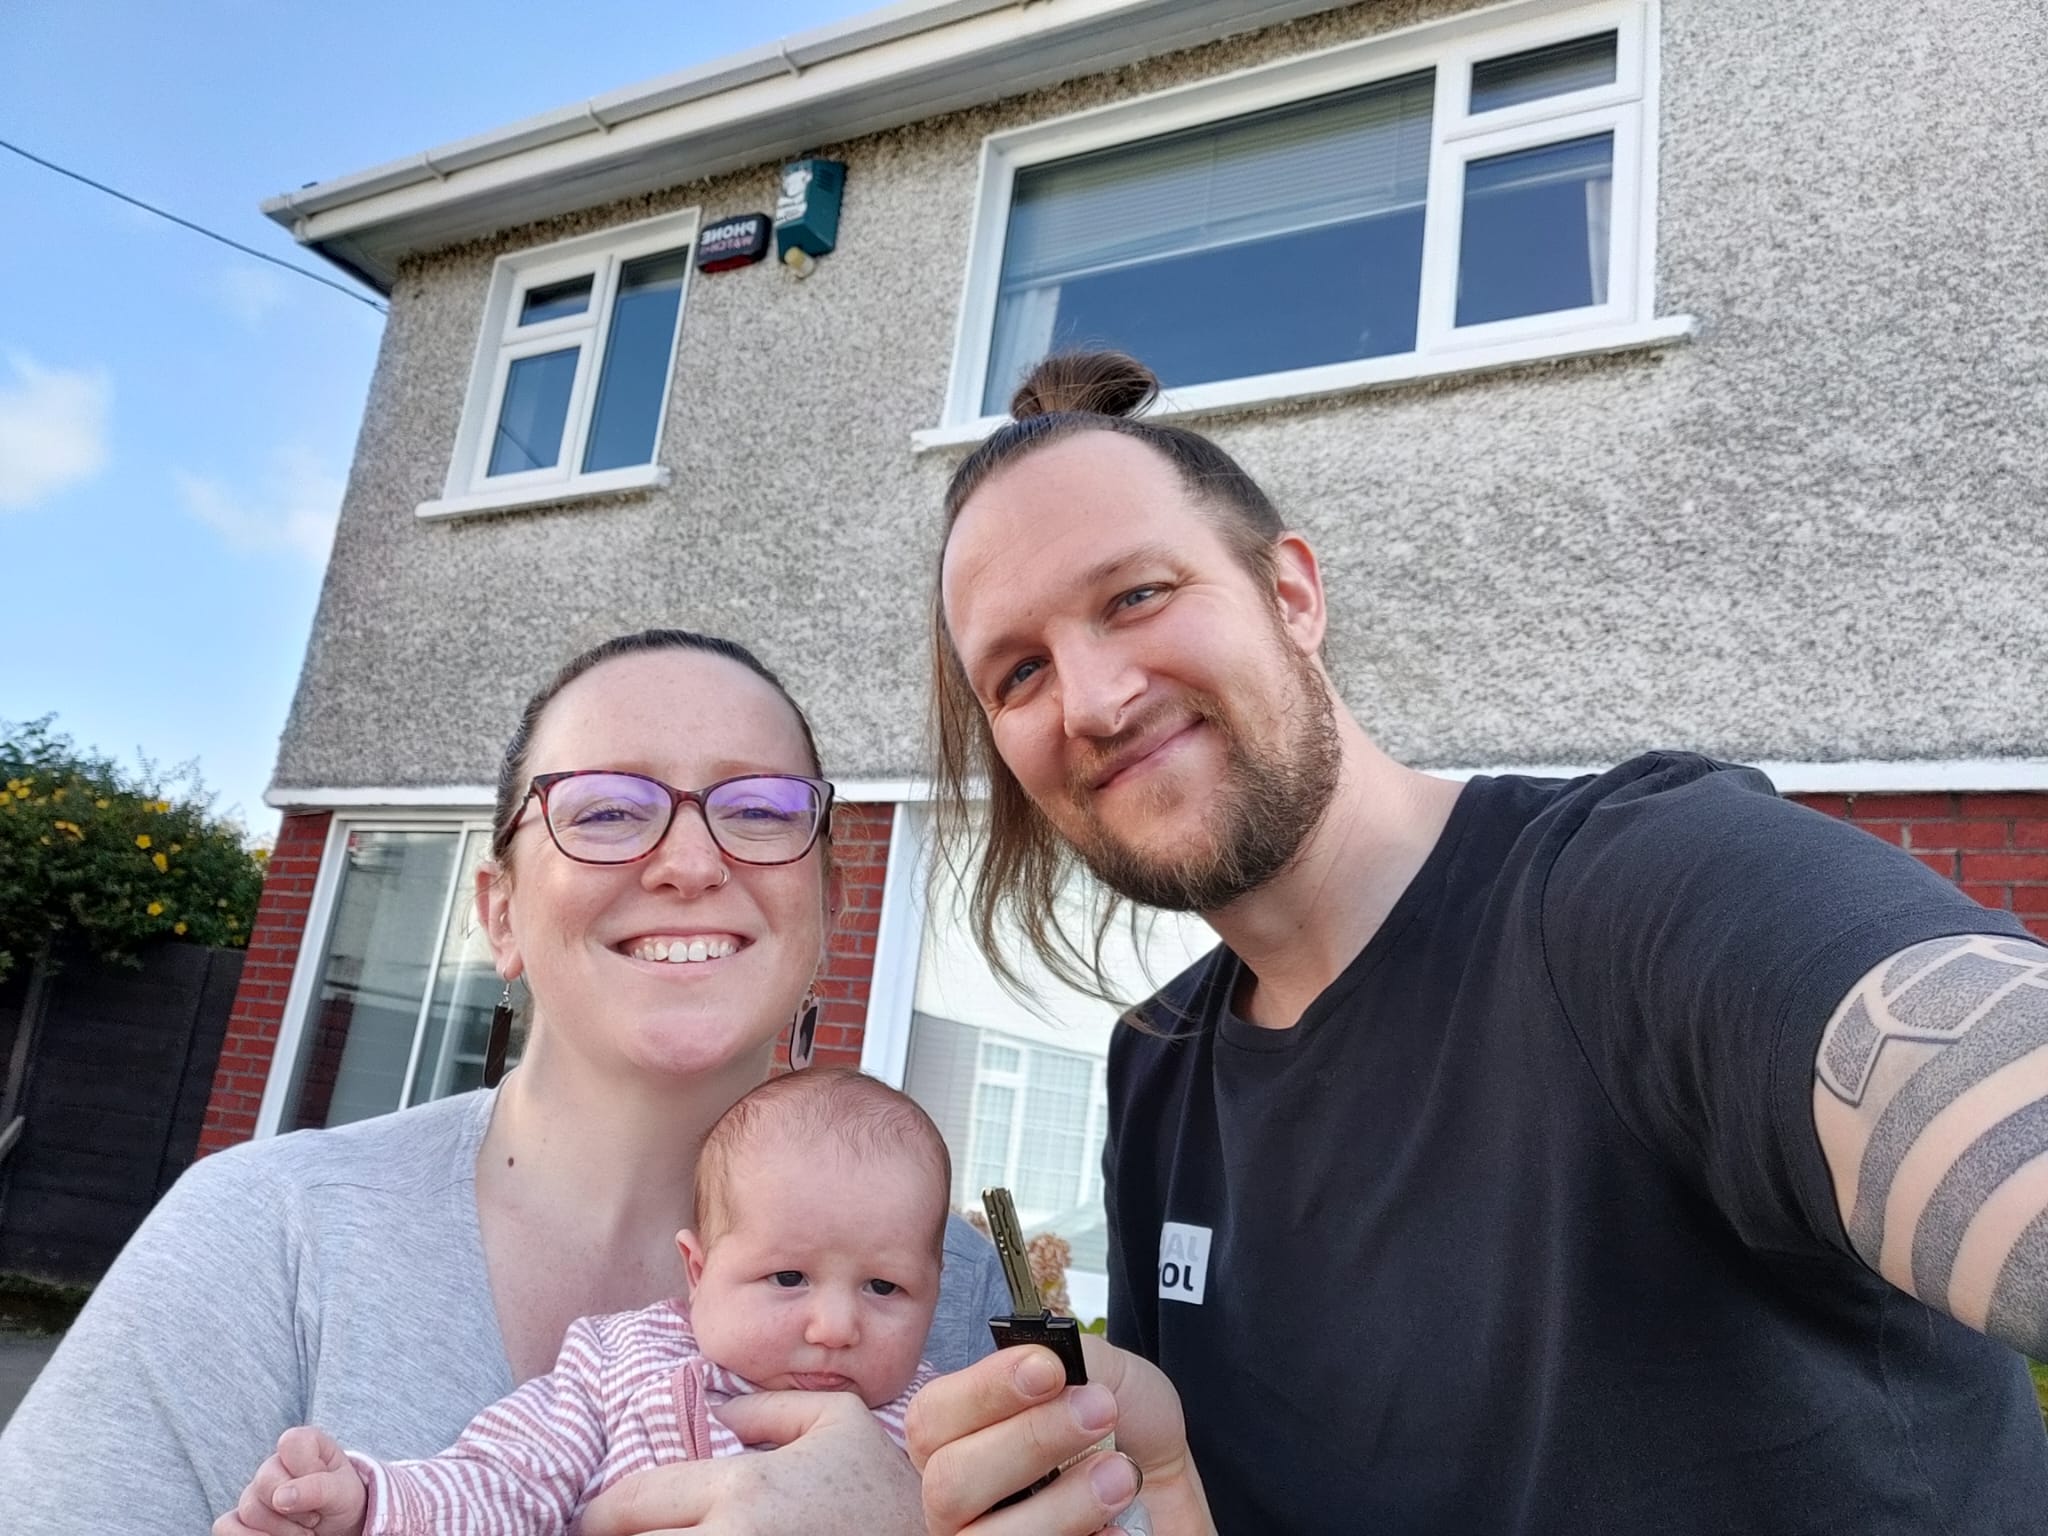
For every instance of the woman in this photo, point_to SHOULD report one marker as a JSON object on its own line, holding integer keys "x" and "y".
{"x": 390, "y": 1278}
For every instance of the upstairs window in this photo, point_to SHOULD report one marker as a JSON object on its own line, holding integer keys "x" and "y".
{"x": 571, "y": 378}
{"x": 1281, "y": 239}
{"x": 1380, "y": 210}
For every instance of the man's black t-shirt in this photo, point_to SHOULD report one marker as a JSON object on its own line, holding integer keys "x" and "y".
{"x": 1524, "y": 1226}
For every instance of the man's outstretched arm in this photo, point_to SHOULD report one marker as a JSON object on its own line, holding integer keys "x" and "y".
{"x": 1931, "y": 1100}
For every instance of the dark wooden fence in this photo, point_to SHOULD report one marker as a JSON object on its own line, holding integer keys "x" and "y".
{"x": 111, "y": 1069}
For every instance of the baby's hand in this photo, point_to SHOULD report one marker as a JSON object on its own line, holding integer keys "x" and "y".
{"x": 310, "y": 1484}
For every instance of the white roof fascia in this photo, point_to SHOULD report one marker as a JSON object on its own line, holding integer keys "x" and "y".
{"x": 1983, "y": 775}
{"x": 903, "y": 63}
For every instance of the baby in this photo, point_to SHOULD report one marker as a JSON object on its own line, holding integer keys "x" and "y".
{"x": 821, "y": 1204}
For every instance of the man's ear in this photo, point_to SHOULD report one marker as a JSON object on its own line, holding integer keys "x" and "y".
{"x": 693, "y": 1251}
{"x": 494, "y": 917}
{"x": 1298, "y": 592}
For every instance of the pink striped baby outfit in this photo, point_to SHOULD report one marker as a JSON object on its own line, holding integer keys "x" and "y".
{"x": 628, "y": 1392}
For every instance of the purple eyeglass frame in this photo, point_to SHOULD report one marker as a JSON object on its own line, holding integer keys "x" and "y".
{"x": 542, "y": 783}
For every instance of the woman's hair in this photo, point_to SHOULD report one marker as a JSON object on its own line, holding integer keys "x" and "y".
{"x": 1024, "y": 861}
{"x": 513, "y": 778}
{"x": 863, "y": 1116}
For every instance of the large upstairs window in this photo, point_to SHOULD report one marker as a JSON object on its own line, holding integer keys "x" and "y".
{"x": 1455, "y": 195}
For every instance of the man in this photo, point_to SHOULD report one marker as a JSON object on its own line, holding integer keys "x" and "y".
{"x": 1637, "y": 1154}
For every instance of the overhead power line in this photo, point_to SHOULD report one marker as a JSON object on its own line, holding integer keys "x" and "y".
{"x": 197, "y": 229}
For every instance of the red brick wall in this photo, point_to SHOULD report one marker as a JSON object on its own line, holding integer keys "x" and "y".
{"x": 266, "y": 979}
{"x": 860, "y": 846}
{"x": 1994, "y": 846}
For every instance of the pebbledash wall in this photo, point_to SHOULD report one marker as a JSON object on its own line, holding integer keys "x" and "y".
{"x": 1803, "y": 529}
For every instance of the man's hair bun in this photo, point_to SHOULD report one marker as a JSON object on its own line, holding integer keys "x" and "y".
{"x": 1099, "y": 383}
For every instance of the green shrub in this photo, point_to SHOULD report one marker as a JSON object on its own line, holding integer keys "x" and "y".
{"x": 94, "y": 856}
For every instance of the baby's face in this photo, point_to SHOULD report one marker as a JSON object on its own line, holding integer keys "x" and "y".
{"x": 825, "y": 1275}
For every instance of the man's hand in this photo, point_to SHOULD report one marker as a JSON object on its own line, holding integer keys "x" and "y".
{"x": 981, "y": 1434}
{"x": 834, "y": 1472}
{"x": 309, "y": 1484}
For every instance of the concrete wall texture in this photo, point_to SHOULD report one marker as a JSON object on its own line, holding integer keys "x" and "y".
{"x": 1816, "y": 532}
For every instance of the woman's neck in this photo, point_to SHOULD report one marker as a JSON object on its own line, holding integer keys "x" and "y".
{"x": 582, "y": 1182}
{"x": 602, "y": 1158}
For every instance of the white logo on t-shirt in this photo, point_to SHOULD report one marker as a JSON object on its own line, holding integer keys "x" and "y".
{"x": 1183, "y": 1262}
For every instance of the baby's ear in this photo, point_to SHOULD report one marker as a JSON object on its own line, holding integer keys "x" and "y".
{"x": 692, "y": 1249}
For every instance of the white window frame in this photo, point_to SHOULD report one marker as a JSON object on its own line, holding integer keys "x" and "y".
{"x": 1627, "y": 108}
{"x": 1019, "y": 1081}
{"x": 502, "y": 340}
{"x": 299, "y": 999}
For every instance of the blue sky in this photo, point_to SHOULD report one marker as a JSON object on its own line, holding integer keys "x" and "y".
{"x": 177, "y": 420}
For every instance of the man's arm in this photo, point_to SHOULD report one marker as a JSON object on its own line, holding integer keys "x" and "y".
{"x": 1931, "y": 1101}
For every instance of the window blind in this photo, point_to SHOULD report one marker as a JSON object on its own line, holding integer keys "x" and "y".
{"x": 1327, "y": 161}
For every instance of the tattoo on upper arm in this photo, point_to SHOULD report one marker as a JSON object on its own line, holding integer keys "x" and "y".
{"x": 1961, "y": 1011}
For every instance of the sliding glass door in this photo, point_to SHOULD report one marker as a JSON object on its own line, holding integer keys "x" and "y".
{"x": 401, "y": 1002}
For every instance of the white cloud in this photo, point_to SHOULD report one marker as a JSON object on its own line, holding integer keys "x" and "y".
{"x": 250, "y": 294}
{"x": 53, "y": 430}
{"x": 294, "y": 510}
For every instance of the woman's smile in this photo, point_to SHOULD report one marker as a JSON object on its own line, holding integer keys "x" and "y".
{"x": 683, "y": 948}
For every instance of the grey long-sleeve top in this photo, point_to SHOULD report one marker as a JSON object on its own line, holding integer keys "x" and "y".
{"x": 326, "y": 1277}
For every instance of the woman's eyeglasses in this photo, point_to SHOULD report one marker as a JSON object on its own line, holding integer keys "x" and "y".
{"x": 596, "y": 816}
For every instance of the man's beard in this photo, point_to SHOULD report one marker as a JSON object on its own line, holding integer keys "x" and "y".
{"x": 1272, "y": 797}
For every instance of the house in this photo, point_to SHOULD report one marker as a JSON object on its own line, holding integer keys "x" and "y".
{"x": 1647, "y": 372}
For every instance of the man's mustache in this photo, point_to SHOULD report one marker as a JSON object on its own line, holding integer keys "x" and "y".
{"x": 1109, "y": 755}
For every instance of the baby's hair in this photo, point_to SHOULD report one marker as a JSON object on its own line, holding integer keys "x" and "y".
{"x": 854, "y": 1113}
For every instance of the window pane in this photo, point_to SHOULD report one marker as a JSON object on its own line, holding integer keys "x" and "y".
{"x": 536, "y": 409}
{"x": 971, "y": 1046}
{"x": 1578, "y": 65}
{"x": 988, "y": 1161}
{"x": 1279, "y": 240}
{"x": 466, "y": 990}
{"x": 556, "y": 301}
{"x": 1536, "y": 236}
{"x": 627, "y": 416}
{"x": 366, "y": 1002}
{"x": 1052, "y": 1162}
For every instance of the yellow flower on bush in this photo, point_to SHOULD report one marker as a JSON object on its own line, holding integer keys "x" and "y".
{"x": 142, "y": 840}
{"x": 100, "y": 804}
{"x": 162, "y": 864}
{"x": 155, "y": 909}
{"x": 177, "y": 927}
{"x": 71, "y": 827}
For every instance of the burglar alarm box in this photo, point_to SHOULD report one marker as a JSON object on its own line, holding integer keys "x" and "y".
{"x": 807, "y": 210}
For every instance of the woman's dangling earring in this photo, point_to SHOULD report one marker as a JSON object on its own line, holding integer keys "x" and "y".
{"x": 803, "y": 1033}
{"x": 500, "y": 1039}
